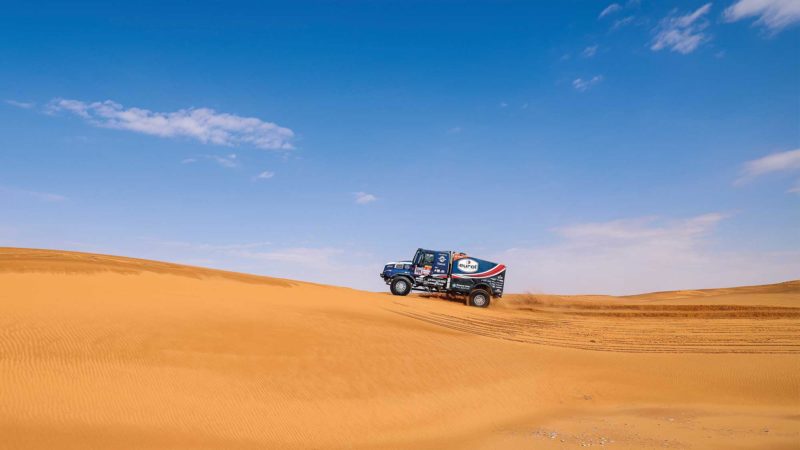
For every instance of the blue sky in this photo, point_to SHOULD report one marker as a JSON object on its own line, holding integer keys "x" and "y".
{"x": 592, "y": 146}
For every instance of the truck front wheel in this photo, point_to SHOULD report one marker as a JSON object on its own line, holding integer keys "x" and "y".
{"x": 400, "y": 286}
{"x": 479, "y": 298}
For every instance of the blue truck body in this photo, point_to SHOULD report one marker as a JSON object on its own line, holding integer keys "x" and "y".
{"x": 446, "y": 272}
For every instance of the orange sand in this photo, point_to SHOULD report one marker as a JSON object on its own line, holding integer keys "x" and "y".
{"x": 116, "y": 353}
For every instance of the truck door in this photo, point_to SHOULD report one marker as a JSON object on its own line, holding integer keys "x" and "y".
{"x": 432, "y": 269}
{"x": 424, "y": 263}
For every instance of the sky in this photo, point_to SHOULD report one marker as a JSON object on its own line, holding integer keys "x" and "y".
{"x": 592, "y": 146}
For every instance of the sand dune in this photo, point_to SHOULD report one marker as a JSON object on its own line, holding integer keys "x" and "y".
{"x": 110, "y": 352}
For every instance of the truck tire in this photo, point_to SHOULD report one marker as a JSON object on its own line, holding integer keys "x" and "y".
{"x": 400, "y": 286}
{"x": 479, "y": 298}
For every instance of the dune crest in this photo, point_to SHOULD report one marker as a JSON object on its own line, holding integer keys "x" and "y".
{"x": 24, "y": 260}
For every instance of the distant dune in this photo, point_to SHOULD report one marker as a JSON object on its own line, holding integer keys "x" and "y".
{"x": 118, "y": 353}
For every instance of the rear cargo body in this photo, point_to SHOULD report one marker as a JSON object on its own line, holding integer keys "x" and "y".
{"x": 468, "y": 272}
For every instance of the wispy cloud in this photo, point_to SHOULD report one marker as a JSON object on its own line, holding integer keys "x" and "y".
{"x": 362, "y": 198}
{"x": 615, "y": 8}
{"x": 619, "y": 23}
{"x": 773, "y": 14}
{"x": 306, "y": 256}
{"x": 265, "y": 175}
{"x": 682, "y": 34}
{"x": 210, "y": 247}
{"x": 610, "y": 9}
{"x": 582, "y": 85}
{"x": 340, "y": 266}
{"x": 645, "y": 228}
{"x": 229, "y": 161}
{"x": 643, "y": 254}
{"x": 775, "y": 162}
{"x": 202, "y": 124}
{"x": 18, "y": 104}
{"x": 590, "y": 51}
{"x": 332, "y": 265}
{"x": 35, "y": 195}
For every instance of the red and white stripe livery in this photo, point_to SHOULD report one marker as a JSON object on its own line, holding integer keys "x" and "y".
{"x": 496, "y": 270}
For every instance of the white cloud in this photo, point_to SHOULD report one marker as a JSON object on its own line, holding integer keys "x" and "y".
{"x": 682, "y": 34}
{"x": 773, "y": 14}
{"x": 583, "y": 85}
{"x": 776, "y": 162}
{"x": 202, "y": 124}
{"x": 265, "y": 175}
{"x": 362, "y": 198}
{"x": 18, "y": 104}
{"x": 40, "y": 196}
{"x": 642, "y": 255}
{"x": 503, "y": 104}
{"x": 610, "y": 9}
{"x": 590, "y": 51}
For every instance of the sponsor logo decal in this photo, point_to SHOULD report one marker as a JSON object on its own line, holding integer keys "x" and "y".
{"x": 424, "y": 271}
{"x": 468, "y": 265}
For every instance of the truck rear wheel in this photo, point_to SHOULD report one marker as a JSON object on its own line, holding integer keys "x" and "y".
{"x": 400, "y": 286}
{"x": 479, "y": 298}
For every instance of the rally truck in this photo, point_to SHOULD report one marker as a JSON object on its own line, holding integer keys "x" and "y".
{"x": 451, "y": 273}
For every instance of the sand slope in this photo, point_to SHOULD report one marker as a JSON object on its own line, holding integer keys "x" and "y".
{"x": 109, "y": 352}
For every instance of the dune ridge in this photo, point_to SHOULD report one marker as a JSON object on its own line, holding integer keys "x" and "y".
{"x": 102, "y": 351}
{"x": 23, "y": 260}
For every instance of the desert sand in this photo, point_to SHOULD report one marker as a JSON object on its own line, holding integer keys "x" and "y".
{"x": 118, "y": 353}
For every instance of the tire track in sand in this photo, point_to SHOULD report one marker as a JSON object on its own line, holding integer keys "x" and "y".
{"x": 625, "y": 327}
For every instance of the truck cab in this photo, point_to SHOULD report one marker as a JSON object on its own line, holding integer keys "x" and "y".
{"x": 452, "y": 273}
